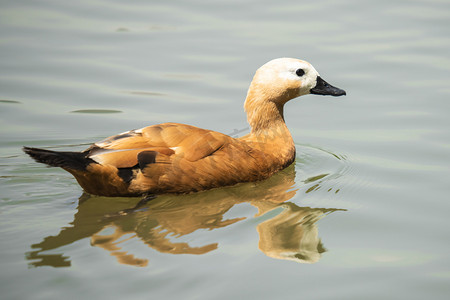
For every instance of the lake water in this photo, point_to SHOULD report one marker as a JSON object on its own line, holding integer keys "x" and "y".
{"x": 362, "y": 214}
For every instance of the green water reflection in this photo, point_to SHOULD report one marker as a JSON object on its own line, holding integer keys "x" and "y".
{"x": 286, "y": 231}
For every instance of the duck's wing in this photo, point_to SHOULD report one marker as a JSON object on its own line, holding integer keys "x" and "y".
{"x": 170, "y": 139}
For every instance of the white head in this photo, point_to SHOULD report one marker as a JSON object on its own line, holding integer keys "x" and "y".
{"x": 283, "y": 79}
{"x": 277, "y": 82}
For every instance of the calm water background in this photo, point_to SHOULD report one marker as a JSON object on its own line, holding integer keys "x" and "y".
{"x": 363, "y": 214}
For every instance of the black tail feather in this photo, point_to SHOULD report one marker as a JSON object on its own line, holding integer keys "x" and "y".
{"x": 67, "y": 160}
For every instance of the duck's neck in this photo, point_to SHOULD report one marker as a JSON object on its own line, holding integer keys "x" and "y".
{"x": 268, "y": 129}
{"x": 264, "y": 117}
{"x": 264, "y": 111}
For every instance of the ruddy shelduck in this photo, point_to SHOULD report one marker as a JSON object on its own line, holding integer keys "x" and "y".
{"x": 178, "y": 158}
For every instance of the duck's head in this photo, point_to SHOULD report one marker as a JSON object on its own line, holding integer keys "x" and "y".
{"x": 283, "y": 79}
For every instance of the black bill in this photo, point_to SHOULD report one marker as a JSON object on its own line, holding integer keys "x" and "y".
{"x": 324, "y": 88}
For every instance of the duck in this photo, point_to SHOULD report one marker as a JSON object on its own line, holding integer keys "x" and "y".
{"x": 178, "y": 158}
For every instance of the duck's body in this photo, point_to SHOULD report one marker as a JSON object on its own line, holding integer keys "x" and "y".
{"x": 178, "y": 158}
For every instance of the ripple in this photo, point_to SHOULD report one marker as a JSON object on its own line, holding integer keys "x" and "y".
{"x": 363, "y": 257}
{"x": 96, "y": 111}
{"x": 143, "y": 93}
{"x": 315, "y": 178}
{"x": 122, "y": 29}
{"x": 10, "y": 101}
{"x": 183, "y": 76}
{"x": 322, "y": 169}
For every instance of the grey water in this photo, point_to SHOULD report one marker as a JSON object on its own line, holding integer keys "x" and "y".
{"x": 363, "y": 213}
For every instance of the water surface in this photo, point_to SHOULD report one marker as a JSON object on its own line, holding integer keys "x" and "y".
{"x": 362, "y": 214}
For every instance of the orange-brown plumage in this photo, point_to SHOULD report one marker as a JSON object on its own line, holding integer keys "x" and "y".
{"x": 178, "y": 158}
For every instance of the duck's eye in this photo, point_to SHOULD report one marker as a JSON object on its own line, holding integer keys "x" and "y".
{"x": 300, "y": 72}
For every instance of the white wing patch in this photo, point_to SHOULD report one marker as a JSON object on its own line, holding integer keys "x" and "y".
{"x": 111, "y": 139}
{"x": 175, "y": 149}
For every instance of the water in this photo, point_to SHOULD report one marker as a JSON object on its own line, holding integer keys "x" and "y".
{"x": 363, "y": 213}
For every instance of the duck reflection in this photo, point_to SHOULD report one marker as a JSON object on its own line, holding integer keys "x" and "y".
{"x": 160, "y": 223}
{"x": 293, "y": 234}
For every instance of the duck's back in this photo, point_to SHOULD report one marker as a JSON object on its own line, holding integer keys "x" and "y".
{"x": 164, "y": 158}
